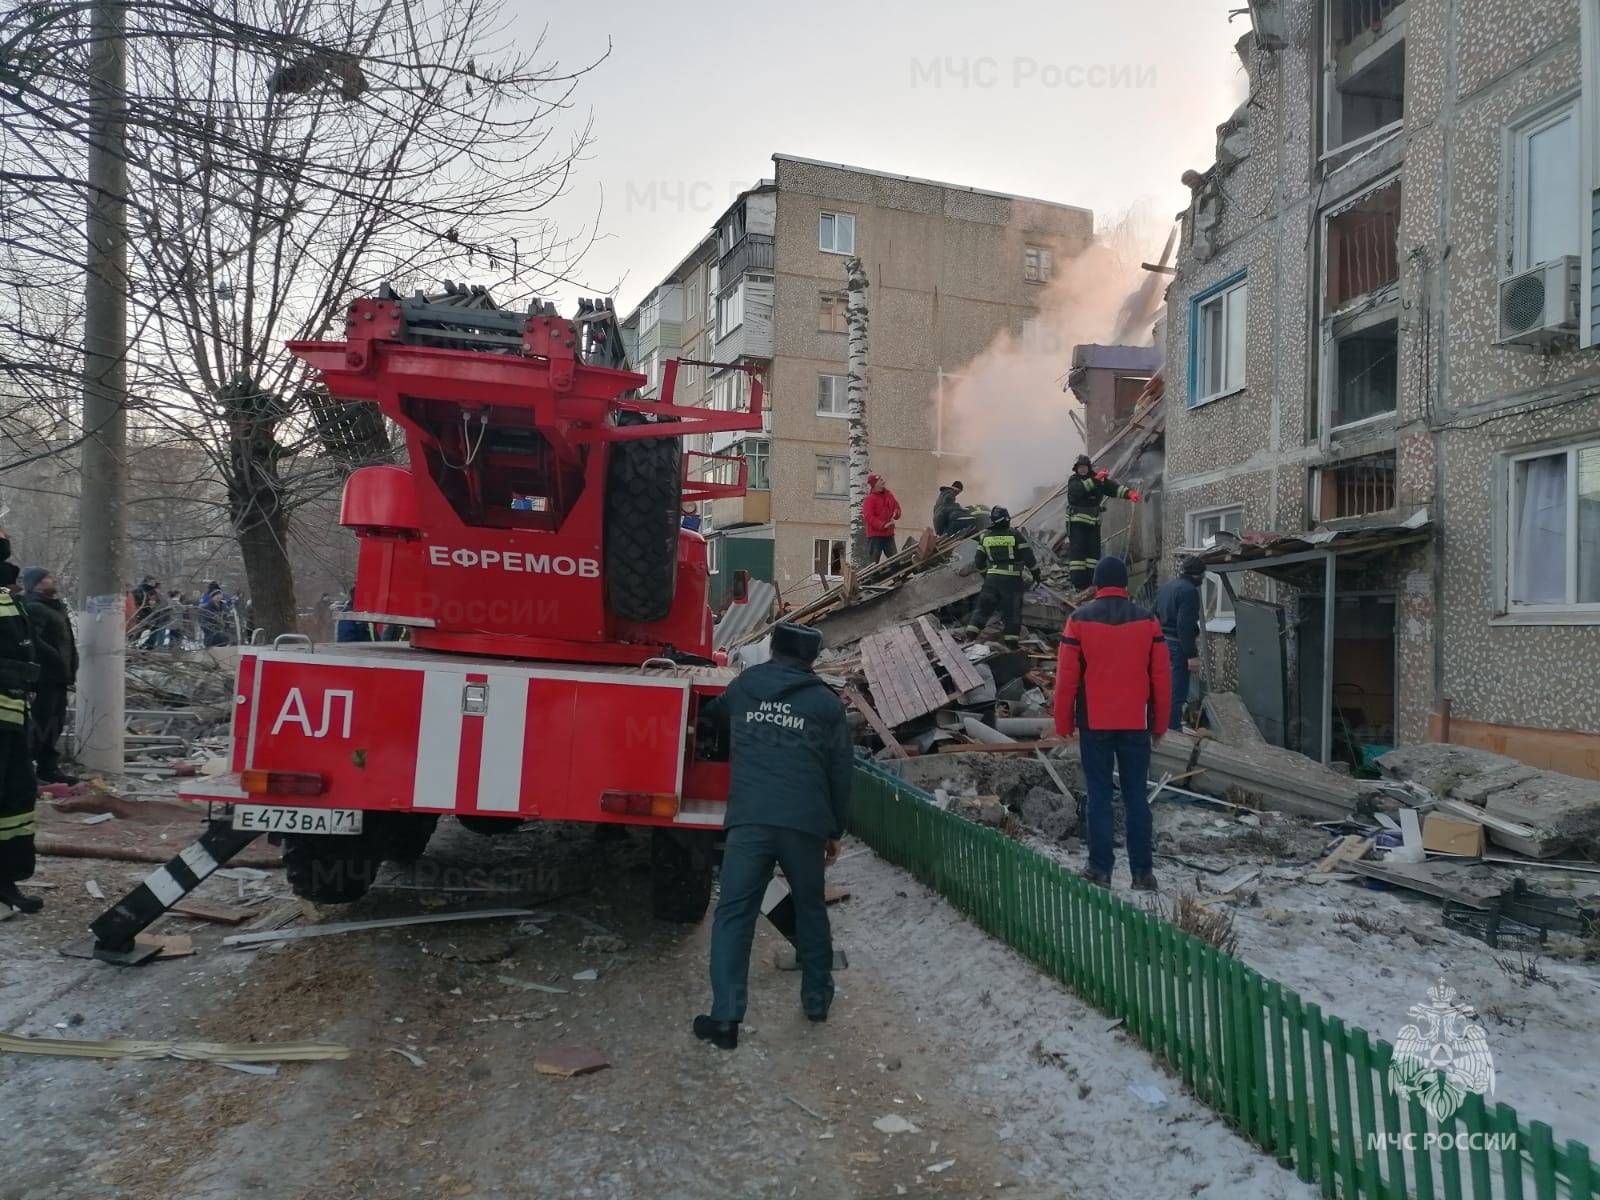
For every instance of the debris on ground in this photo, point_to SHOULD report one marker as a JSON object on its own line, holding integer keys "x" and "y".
{"x": 340, "y": 927}
{"x": 569, "y": 1061}
{"x": 188, "y": 1051}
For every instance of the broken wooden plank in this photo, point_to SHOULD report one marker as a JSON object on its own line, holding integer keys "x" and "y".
{"x": 568, "y": 1061}
{"x": 1353, "y": 847}
{"x": 914, "y": 657}
{"x": 1431, "y": 880}
{"x": 948, "y": 651}
{"x": 210, "y": 910}
{"x": 859, "y": 703}
{"x": 311, "y": 931}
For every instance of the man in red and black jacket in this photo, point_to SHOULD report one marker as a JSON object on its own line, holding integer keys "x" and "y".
{"x": 1114, "y": 689}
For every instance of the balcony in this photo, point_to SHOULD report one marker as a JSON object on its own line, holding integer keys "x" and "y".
{"x": 753, "y": 252}
{"x": 753, "y": 508}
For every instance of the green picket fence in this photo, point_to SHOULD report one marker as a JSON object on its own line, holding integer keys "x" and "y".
{"x": 1302, "y": 1085}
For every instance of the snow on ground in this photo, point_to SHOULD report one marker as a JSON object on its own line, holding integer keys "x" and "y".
{"x": 1543, "y": 1034}
{"x": 1051, "y": 1073}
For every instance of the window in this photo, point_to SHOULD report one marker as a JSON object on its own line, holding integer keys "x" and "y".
{"x": 1356, "y": 489}
{"x": 652, "y": 370}
{"x": 833, "y": 477}
{"x": 708, "y": 354}
{"x": 827, "y": 557}
{"x": 1216, "y": 609}
{"x": 832, "y": 400}
{"x": 1126, "y": 390}
{"x": 686, "y": 374}
{"x": 832, "y": 313}
{"x": 1360, "y": 302}
{"x": 1364, "y": 365}
{"x": 1036, "y": 264}
{"x": 691, "y": 303}
{"x": 711, "y": 292}
{"x": 757, "y": 458}
{"x": 1365, "y": 90}
{"x": 1554, "y": 561}
{"x": 714, "y": 555}
{"x": 730, "y": 310}
{"x": 1546, "y": 196}
{"x": 836, "y": 233}
{"x": 1217, "y": 329}
{"x": 650, "y": 312}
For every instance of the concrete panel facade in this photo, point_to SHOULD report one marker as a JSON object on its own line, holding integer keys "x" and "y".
{"x": 1475, "y": 72}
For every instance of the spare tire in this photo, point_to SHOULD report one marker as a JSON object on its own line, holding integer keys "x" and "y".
{"x": 642, "y": 515}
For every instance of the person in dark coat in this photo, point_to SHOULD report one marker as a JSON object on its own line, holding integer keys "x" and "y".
{"x": 18, "y": 790}
{"x": 1003, "y": 555}
{"x": 1113, "y": 688}
{"x": 788, "y": 804}
{"x": 947, "y": 509}
{"x": 56, "y": 651}
{"x": 1178, "y": 610}
{"x": 1087, "y": 492}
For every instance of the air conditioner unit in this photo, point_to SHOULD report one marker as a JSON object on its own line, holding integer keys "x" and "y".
{"x": 1541, "y": 305}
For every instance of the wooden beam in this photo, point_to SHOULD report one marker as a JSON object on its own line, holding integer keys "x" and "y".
{"x": 859, "y": 703}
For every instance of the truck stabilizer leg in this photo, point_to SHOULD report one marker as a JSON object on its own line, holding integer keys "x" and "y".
{"x": 778, "y": 908}
{"x": 115, "y": 929}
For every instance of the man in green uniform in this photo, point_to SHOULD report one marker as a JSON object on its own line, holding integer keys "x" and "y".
{"x": 1003, "y": 555}
{"x": 18, "y": 675}
{"x": 788, "y": 803}
{"x": 1087, "y": 492}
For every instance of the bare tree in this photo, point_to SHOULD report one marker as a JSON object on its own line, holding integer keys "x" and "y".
{"x": 285, "y": 157}
{"x": 856, "y": 394}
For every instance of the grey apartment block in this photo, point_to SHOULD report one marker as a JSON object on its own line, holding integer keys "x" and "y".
{"x": 1410, "y": 203}
{"x": 950, "y": 267}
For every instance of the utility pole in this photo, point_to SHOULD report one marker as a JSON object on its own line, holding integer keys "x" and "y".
{"x": 101, "y": 511}
{"x": 856, "y": 395}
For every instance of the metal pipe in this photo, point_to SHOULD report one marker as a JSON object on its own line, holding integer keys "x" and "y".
{"x": 1329, "y": 583}
{"x": 1025, "y": 727}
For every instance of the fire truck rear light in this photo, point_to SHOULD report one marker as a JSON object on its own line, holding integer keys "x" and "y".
{"x": 639, "y": 804}
{"x": 281, "y": 783}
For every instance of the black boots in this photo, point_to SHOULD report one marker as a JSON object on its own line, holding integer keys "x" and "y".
{"x": 23, "y": 904}
{"x": 724, "y": 1035}
{"x": 1145, "y": 883}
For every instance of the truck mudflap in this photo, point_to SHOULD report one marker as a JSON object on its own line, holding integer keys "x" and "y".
{"x": 405, "y": 731}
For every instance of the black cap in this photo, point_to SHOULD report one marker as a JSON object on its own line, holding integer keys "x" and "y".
{"x": 1192, "y": 566}
{"x": 1111, "y": 572}
{"x": 956, "y": 484}
{"x": 796, "y": 641}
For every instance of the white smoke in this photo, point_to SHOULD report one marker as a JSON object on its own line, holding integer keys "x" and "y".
{"x": 1008, "y": 410}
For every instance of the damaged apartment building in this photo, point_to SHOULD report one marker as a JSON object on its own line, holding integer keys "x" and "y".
{"x": 949, "y": 267}
{"x": 1382, "y": 416}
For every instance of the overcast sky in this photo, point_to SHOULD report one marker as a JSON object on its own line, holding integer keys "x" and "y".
{"x": 1100, "y": 105}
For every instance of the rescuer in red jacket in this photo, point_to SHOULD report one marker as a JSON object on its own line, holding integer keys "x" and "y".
{"x": 1114, "y": 688}
{"x": 880, "y": 510}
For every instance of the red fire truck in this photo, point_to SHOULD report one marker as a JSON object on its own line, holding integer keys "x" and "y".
{"x": 559, "y": 632}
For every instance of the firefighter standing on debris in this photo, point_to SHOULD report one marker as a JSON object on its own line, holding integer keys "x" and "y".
{"x": 18, "y": 789}
{"x": 1087, "y": 492}
{"x": 1003, "y": 555}
{"x": 788, "y": 803}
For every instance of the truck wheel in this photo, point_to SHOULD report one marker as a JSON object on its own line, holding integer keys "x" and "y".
{"x": 680, "y": 874}
{"x": 329, "y": 869}
{"x": 403, "y": 837}
{"x": 642, "y": 515}
{"x": 490, "y": 826}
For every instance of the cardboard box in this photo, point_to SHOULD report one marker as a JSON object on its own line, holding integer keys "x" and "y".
{"x": 1446, "y": 835}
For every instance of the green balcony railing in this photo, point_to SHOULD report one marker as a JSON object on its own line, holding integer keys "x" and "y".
{"x": 1305, "y": 1087}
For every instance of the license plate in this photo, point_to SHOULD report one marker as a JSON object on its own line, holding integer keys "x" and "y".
{"x": 271, "y": 818}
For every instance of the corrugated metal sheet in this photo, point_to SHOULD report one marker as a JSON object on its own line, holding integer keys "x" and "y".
{"x": 741, "y": 620}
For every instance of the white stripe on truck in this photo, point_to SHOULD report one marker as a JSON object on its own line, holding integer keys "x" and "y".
{"x": 438, "y": 741}
{"x": 500, "y": 764}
